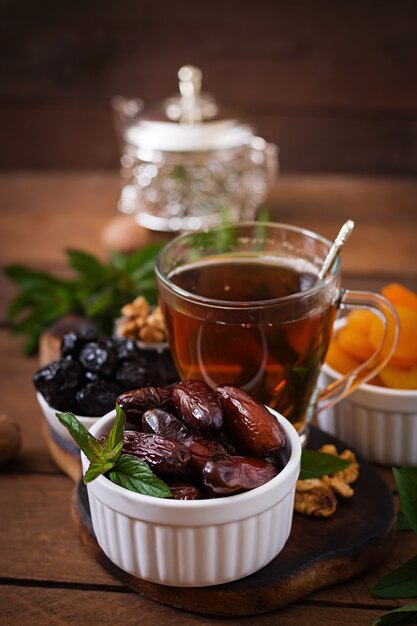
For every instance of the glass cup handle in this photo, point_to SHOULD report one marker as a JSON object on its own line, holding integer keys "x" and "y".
{"x": 349, "y": 382}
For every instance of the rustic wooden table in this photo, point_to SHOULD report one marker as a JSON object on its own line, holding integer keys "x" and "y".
{"x": 45, "y": 575}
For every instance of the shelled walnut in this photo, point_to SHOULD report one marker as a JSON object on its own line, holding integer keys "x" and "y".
{"x": 138, "y": 321}
{"x": 317, "y": 496}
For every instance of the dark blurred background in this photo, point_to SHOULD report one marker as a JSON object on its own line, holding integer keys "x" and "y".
{"x": 333, "y": 83}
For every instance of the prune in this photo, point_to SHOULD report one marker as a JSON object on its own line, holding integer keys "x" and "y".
{"x": 202, "y": 449}
{"x": 131, "y": 375}
{"x": 165, "y": 424}
{"x": 126, "y": 349}
{"x": 225, "y": 475}
{"x": 97, "y": 398}
{"x": 197, "y": 404}
{"x": 98, "y": 357}
{"x": 73, "y": 341}
{"x": 183, "y": 491}
{"x": 254, "y": 428}
{"x": 58, "y": 383}
{"x": 134, "y": 403}
{"x": 160, "y": 365}
{"x": 165, "y": 456}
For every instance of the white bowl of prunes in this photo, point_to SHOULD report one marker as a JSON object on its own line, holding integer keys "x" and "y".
{"x": 231, "y": 466}
{"x": 92, "y": 372}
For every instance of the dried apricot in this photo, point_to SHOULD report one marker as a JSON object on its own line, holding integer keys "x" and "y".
{"x": 405, "y": 353}
{"x": 399, "y": 378}
{"x": 360, "y": 320}
{"x": 355, "y": 344}
{"x": 339, "y": 360}
{"x": 399, "y": 295}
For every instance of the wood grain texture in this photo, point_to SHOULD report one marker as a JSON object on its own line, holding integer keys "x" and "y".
{"x": 58, "y": 607}
{"x": 333, "y": 83}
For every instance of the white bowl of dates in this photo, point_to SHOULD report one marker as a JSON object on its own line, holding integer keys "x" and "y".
{"x": 91, "y": 373}
{"x": 231, "y": 466}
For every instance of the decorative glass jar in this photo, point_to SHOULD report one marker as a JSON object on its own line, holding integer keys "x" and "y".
{"x": 187, "y": 163}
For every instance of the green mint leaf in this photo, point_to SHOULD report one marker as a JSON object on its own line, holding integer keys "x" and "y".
{"x": 85, "y": 440}
{"x": 402, "y": 522}
{"x": 403, "y": 615}
{"x": 97, "y": 468}
{"x": 113, "y": 444}
{"x": 316, "y": 464}
{"x": 88, "y": 266}
{"x": 135, "y": 475}
{"x": 406, "y": 480}
{"x": 400, "y": 583}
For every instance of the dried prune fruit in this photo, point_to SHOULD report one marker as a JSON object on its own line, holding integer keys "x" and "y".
{"x": 202, "y": 449}
{"x": 183, "y": 491}
{"x": 73, "y": 341}
{"x": 97, "y": 398}
{"x": 58, "y": 383}
{"x": 224, "y": 475}
{"x": 134, "y": 403}
{"x": 165, "y": 424}
{"x": 125, "y": 349}
{"x": 98, "y": 357}
{"x": 165, "y": 456}
{"x": 131, "y": 375}
{"x": 197, "y": 404}
{"x": 255, "y": 430}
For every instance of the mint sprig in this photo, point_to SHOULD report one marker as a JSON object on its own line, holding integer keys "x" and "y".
{"x": 317, "y": 464}
{"x": 105, "y": 456}
{"x": 402, "y": 582}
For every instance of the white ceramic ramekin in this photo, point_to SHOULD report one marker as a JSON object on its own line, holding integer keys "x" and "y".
{"x": 378, "y": 422}
{"x": 58, "y": 431}
{"x": 200, "y": 542}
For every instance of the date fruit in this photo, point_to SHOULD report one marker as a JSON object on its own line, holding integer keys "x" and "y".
{"x": 197, "y": 404}
{"x": 253, "y": 427}
{"x": 202, "y": 449}
{"x": 183, "y": 491}
{"x": 225, "y": 475}
{"x": 134, "y": 403}
{"x": 160, "y": 422}
{"x": 165, "y": 456}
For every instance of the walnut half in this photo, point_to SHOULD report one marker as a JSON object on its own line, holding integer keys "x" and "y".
{"x": 317, "y": 496}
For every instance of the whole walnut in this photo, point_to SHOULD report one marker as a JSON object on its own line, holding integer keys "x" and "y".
{"x": 10, "y": 438}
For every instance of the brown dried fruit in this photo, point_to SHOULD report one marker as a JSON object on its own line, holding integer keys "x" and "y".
{"x": 165, "y": 456}
{"x": 197, "y": 404}
{"x": 134, "y": 403}
{"x": 224, "y": 475}
{"x": 254, "y": 428}
{"x": 313, "y": 497}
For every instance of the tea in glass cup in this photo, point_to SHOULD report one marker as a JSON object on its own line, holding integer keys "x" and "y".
{"x": 243, "y": 305}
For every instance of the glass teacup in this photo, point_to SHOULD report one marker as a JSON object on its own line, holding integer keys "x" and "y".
{"x": 243, "y": 305}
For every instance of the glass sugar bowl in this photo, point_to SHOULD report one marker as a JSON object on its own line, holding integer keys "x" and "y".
{"x": 188, "y": 163}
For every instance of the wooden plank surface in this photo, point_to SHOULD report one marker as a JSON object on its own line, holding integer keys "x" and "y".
{"x": 333, "y": 83}
{"x": 45, "y": 575}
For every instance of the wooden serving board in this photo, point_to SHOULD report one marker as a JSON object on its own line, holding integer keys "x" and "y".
{"x": 319, "y": 552}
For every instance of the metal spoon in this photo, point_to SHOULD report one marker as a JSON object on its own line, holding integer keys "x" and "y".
{"x": 339, "y": 242}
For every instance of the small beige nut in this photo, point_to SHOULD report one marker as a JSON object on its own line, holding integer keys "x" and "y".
{"x": 313, "y": 497}
{"x": 340, "y": 487}
{"x": 156, "y": 320}
{"x": 328, "y": 448}
{"x": 10, "y": 438}
{"x": 351, "y": 473}
{"x": 141, "y": 305}
{"x": 129, "y": 310}
{"x": 151, "y": 335}
{"x": 127, "y": 329}
{"x": 140, "y": 321}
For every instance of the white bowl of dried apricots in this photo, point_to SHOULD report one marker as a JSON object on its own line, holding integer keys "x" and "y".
{"x": 379, "y": 419}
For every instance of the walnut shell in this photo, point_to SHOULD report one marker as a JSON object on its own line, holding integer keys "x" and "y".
{"x": 10, "y": 438}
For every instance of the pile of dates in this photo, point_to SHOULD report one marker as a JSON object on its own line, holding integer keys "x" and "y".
{"x": 203, "y": 443}
{"x": 93, "y": 371}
